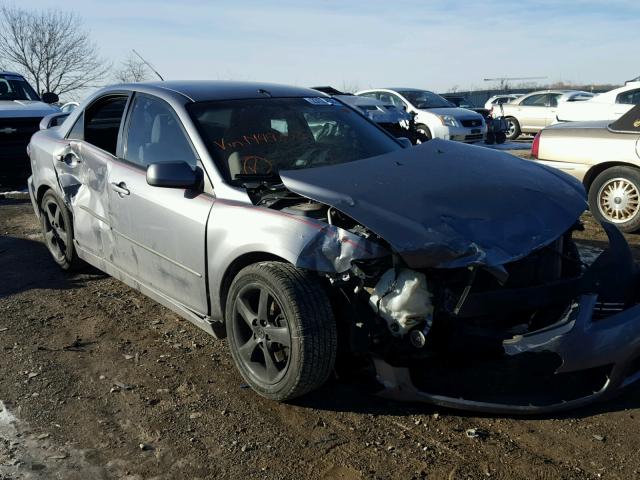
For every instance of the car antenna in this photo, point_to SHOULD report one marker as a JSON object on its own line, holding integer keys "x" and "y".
{"x": 148, "y": 64}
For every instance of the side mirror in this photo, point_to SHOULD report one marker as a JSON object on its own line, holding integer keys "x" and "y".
{"x": 48, "y": 97}
{"x": 53, "y": 120}
{"x": 172, "y": 175}
{"x": 405, "y": 142}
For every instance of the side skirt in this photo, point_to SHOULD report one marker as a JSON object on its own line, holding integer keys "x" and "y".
{"x": 206, "y": 323}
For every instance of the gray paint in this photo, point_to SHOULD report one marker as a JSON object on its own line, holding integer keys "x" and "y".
{"x": 437, "y": 206}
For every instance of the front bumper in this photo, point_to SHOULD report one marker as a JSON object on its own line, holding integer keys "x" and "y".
{"x": 590, "y": 354}
{"x": 608, "y": 348}
{"x": 462, "y": 134}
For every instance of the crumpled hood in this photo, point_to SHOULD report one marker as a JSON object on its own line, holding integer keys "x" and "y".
{"x": 25, "y": 109}
{"x": 445, "y": 204}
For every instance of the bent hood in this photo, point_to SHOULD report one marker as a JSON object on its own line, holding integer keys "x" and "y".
{"x": 25, "y": 109}
{"x": 445, "y": 204}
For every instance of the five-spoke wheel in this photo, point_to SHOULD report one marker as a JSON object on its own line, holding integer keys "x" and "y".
{"x": 281, "y": 329}
{"x": 57, "y": 230}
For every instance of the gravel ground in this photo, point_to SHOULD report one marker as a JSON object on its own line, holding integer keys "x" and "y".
{"x": 98, "y": 382}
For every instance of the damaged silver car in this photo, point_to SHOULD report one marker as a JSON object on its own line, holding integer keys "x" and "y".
{"x": 280, "y": 218}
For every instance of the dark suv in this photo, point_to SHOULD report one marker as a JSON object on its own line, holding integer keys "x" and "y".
{"x": 21, "y": 110}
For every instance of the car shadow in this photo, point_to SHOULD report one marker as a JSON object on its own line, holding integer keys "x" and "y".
{"x": 26, "y": 264}
{"x": 344, "y": 396}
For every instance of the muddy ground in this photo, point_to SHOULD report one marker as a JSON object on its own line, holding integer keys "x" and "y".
{"x": 98, "y": 382}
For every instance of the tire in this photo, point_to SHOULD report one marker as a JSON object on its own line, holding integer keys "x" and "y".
{"x": 296, "y": 310}
{"x": 424, "y": 134}
{"x": 490, "y": 139}
{"x": 513, "y": 126}
{"x": 614, "y": 196}
{"x": 57, "y": 230}
{"x": 501, "y": 138}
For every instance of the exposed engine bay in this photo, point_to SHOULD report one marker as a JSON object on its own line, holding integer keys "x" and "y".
{"x": 465, "y": 332}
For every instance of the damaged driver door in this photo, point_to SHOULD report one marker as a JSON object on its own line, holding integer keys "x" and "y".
{"x": 81, "y": 167}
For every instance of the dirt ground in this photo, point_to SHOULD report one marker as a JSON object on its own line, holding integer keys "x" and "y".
{"x": 98, "y": 382}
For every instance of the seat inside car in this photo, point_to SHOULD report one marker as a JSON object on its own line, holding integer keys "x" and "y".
{"x": 251, "y": 156}
{"x": 166, "y": 142}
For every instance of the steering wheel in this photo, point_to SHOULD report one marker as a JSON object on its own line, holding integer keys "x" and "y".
{"x": 256, "y": 165}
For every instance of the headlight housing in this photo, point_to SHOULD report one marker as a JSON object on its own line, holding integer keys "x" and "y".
{"x": 448, "y": 121}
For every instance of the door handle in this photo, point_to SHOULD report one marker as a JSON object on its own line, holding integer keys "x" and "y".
{"x": 120, "y": 188}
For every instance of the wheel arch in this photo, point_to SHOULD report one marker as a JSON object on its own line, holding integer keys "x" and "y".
{"x": 238, "y": 264}
{"x": 596, "y": 170}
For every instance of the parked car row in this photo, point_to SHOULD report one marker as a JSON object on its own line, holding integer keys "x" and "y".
{"x": 532, "y": 112}
{"x": 435, "y": 117}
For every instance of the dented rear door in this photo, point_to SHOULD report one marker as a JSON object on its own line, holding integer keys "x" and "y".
{"x": 81, "y": 170}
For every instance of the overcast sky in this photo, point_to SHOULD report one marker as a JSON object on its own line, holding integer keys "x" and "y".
{"x": 429, "y": 44}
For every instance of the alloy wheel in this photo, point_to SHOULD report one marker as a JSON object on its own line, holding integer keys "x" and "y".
{"x": 619, "y": 200}
{"x": 55, "y": 230}
{"x": 262, "y": 333}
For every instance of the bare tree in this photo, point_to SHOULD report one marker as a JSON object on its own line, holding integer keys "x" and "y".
{"x": 51, "y": 49}
{"x": 132, "y": 69}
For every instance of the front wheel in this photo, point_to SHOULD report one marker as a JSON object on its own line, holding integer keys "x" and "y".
{"x": 57, "y": 229}
{"x": 423, "y": 134}
{"x": 614, "y": 196}
{"x": 281, "y": 330}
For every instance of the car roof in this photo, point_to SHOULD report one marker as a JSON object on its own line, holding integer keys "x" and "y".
{"x": 211, "y": 90}
{"x": 4, "y": 72}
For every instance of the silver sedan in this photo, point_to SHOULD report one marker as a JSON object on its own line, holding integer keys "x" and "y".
{"x": 303, "y": 232}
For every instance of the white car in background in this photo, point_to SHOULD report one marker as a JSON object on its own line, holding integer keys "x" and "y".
{"x": 610, "y": 105}
{"x": 435, "y": 117}
{"x": 536, "y": 110}
{"x": 500, "y": 99}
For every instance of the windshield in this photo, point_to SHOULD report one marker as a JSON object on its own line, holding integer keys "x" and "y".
{"x": 255, "y": 139}
{"x": 461, "y": 102}
{"x": 424, "y": 99}
{"x": 13, "y": 87}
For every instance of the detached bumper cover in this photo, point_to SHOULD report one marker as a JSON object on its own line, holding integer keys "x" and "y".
{"x": 582, "y": 358}
{"x": 606, "y": 350}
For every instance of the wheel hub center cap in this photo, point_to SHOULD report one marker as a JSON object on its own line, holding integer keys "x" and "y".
{"x": 260, "y": 333}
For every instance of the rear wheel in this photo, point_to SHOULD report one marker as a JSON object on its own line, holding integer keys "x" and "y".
{"x": 513, "y": 128}
{"x": 614, "y": 196}
{"x": 57, "y": 229}
{"x": 281, "y": 330}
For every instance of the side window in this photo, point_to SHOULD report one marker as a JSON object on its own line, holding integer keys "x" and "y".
{"x": 539, "y": 100}
{"x": 102, "y": 123}
{"x": 155, "y": 135}
{"x": 553, "y": 99}
{"x": 280, "y": 125}
{"x": 77, "y": 131}
{"x": 631, "y": 97}
{"x": 369, "y": 95}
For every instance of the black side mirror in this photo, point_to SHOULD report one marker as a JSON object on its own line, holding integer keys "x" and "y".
{"x": 172, "y": 175}
{"x": 53, "y": 120}
{"x": 48, "y": 97}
